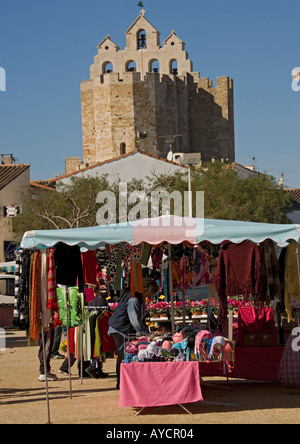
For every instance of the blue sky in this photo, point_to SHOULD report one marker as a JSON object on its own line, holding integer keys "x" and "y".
{"x": 46, "y": 49}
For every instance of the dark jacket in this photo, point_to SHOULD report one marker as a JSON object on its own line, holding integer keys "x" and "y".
{"x": 120, "y": 319}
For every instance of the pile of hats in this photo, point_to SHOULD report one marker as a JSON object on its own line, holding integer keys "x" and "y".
{"x": 142, "y": 350}
{"x": 167, "y": 348}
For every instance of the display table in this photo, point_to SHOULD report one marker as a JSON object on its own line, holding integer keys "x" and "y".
{"x": 257, "y": 363}
{"x": 153, "y": 384}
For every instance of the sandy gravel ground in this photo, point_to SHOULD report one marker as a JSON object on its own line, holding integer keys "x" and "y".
{"x": 23, "y": 400}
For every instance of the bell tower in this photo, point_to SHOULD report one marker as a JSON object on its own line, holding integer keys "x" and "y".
{"x": 139, "y": 97}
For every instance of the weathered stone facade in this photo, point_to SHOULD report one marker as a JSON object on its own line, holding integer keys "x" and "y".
{"x": 147, "y": 97}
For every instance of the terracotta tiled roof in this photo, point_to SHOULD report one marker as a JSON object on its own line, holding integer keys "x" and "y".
{"x": 295, "y": 195}
{"x": 8, "y": 173}
{"x": 43, "y": 184}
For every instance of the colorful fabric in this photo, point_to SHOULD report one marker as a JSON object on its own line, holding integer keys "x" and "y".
{"x": 35, "y": 309}
{"x": 201, "y": 268}
{"x": 18, "y": 271}
{"x": 240, "y": 271}
{"x": 74, "y": 306}
{"x": 156, "y": 256}
{"x": 171, "y": 387}
{"x": 273, "y": 287}
{"x": 52, "y": 295}
{"x": 136, "y": 278}
{"x": 291, "y": 278}
{"x": 22, "y": 277}
{"x": 255, "y": 319}
{"x": 253, "y": 363}
{"x": 90, "y": 267}
{"x": 103, "y": 341}
{"x": 44, "y": 291}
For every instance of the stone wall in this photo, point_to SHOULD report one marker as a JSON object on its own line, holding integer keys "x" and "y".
{"x": 168, "y": 110}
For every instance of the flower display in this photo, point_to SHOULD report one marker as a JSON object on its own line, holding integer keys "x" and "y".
{"x": 113, "y": 305}
{"x": 159, "y": 308}
{"x": 63, "y": 346}
{"x": 195, "y": 307}
{"x": 198, "y": 307}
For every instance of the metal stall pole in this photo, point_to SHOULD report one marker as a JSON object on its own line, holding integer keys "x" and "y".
{"x": 81, "y": 338}
{"x": 298, "y": 260}
{"x": 45, "y": 366}
{"x": 81, "y": 362}
{"x": 183, "y": 307}
{"x": 68, "y": 339}
{"x": 298, "y": 263}
{"x": 171, "y": 288}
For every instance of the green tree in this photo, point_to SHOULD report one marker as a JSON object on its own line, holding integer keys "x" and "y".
{"x": 70, "y": 206}
{"x": 226, "y": 196}
{"x": 230, "y": 197}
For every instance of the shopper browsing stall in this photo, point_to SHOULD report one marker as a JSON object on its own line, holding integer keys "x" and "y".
{"x": 129, "y": 318}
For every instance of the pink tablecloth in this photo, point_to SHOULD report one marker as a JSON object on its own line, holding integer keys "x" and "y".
{"x": 152, "y": 384}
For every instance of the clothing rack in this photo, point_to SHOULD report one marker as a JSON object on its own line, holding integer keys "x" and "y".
{"x": 96, "y": 307}
{"x": 89, "y": 308}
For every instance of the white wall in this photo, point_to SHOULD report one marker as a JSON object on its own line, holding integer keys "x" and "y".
{"x": 294, "y": 217}
{"x": 134, "y": 166}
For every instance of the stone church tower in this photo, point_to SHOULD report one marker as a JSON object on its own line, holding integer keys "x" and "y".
{"x": 147, "y": 97}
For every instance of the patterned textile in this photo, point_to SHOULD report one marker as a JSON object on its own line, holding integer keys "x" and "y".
{"x": 18, "y": 271}
{"x": 22, "y": 281}
{"x": 289, "y": 367}
{"x": 75, "y": 306}
{"x": 52, "y": 296}
{"x": 35, "y": 307}
{"x": 291, "y": 278}
{"x": 113, "y": 256}
{"x": 273, "y": 288}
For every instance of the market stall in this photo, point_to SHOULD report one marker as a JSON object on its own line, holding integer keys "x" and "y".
{"x": 172, "y": 230}
{"x": 238, "y": 243}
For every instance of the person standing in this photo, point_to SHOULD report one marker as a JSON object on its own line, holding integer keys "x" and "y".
{"x": 48, "y": 338}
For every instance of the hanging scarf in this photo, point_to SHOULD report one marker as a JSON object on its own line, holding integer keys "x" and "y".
{"x": 273, "y": 288}
{"x": 136, "y": 278}
{"x": 52, "y": 296}
{"x": 240, "y": 271}
{"x": 291, "y": 280}
{"x": 35, "y": 308}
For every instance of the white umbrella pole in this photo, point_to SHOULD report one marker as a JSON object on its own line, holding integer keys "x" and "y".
{"x": 45, "y": 366}
{"x": 298, "y": 261}
{"x": 81, "y": 362}
{"x": 171, "y": 288}
{"x": 68, "y": 340}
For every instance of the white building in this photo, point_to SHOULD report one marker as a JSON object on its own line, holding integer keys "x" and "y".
{"x": 134, "y": 165}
